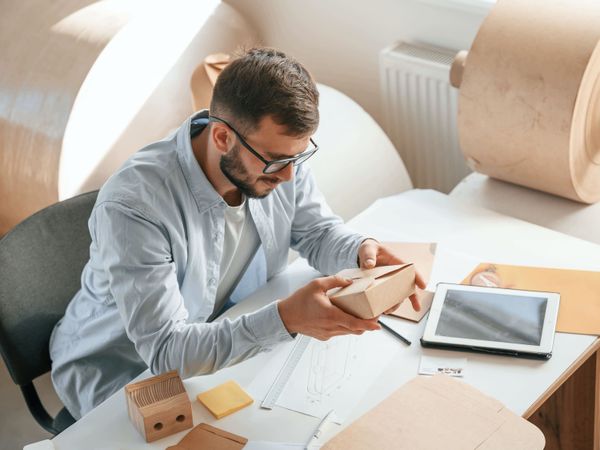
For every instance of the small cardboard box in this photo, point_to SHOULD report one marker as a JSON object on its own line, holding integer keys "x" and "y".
{"x": 374, "y": 290}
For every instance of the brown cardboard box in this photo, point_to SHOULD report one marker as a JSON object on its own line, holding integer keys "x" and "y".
{"x": 205, "y": 436}
{"x": 374, "y": 290}
{"x": 421, "y": 254}
{"x": 438, "y": 413}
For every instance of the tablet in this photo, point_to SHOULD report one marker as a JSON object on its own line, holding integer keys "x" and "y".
{"x": 492, "y": 320}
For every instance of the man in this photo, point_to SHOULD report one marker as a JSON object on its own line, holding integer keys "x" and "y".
{"x": 199, "y": 220}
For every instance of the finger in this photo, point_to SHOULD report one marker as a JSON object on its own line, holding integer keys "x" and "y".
{"x": 415, "y": 302}
{"x": 326, "y": 283}
{"x": 367, "y": 254}
{"x": 344, "y": 331}
{"x": 387, "y": 258}
{"x": 419, "y": 281}
{"x": 328, "y": 334}
{"x": 354, "y": 323}
{"x": 341, "y": 330}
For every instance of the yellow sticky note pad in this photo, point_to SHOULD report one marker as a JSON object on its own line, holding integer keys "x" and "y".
{"x": 225, "y": 399}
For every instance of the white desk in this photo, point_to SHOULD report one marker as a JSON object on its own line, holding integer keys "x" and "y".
{"x": 419, "y": 216}
{"x": 560, "y": 214}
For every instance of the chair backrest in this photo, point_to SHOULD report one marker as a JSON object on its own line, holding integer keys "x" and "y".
{"x": 41, "y": 260}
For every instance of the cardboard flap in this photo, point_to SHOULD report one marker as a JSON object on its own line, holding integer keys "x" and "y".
{"x": 460, "y": 416}
{"x": 376, "y": 272}
{"x": 357, "y": 286}
{"x": 207, "y": 436}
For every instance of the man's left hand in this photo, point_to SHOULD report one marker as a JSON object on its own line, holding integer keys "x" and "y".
{"x": 372, "y": 253}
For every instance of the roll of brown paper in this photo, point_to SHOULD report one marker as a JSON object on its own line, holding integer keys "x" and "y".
{"x": 529, "y": 104}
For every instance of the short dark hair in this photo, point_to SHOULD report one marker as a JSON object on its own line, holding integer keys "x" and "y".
{"x": 265, "y": 82}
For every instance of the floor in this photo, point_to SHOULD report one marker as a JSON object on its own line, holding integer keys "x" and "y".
{"x": 17, "y": 426}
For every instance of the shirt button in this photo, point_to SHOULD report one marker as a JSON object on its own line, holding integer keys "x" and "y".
{"x": 216, "y": 236}
{"x": 211, "y": 281}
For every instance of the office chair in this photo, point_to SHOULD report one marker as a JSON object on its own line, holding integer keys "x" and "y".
{"x": 41, "y": 260}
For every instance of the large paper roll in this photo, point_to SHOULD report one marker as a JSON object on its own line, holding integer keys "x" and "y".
{"x": 529, "y": 105}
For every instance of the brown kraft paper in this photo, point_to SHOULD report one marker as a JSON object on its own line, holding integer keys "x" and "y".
{"x": 529, "y": 104}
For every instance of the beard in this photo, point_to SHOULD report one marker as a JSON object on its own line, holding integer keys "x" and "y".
{"x": 232, "y": 167}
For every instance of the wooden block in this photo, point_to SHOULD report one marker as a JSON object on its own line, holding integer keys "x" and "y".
{"x": 159, "y": 406}
{"x": 225, "y": 399}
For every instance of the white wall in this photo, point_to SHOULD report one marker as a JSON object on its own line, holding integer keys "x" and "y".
{"x": 339, "y": 40}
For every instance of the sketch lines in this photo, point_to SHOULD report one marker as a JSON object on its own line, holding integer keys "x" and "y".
{"x": 331, "y": 366}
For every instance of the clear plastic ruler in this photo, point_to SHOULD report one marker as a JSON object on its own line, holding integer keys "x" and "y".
{"x": 286, "y": 372}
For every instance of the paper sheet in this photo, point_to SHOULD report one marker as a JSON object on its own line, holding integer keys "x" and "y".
{"x": 433, "y": 365}
{"x": 579, "y": 310}
{"x": 332, "y": 374}
{"x": 41, "y": 445}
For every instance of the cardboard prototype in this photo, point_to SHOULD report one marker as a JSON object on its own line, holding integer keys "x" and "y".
{"x": 579, "y": 310}
{"x": 159, "y": 406}
{"x": 225, "y": 399}
{"x": 374, "y": 290}
{"x": 529, "y": 100}
{"x": 439, "y": 412}
{"x": 421, "y": 254}
{"x": 205, "y": 436}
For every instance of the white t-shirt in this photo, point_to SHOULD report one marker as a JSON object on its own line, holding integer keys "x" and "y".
{"x": 240, "y": 242}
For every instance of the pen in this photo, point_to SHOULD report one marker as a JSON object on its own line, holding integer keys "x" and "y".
{"x": 315, "y": 436}
{"x": 394, "y": 332}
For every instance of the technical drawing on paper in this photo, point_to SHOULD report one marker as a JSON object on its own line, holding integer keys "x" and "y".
{"x": 319, "y": 376}
{"x": 331, "y": 366}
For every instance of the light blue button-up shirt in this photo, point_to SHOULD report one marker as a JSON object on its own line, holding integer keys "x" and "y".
{"x": 151, "y": 281}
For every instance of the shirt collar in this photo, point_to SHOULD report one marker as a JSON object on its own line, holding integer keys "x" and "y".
{"x": 203, "y": 191}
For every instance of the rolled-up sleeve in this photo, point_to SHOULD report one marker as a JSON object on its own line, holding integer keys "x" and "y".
{"x": 318, "y": 234}
{"x": 142, "y": 280}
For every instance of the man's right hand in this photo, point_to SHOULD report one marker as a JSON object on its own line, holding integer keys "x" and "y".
{"x": 310, "y": 312}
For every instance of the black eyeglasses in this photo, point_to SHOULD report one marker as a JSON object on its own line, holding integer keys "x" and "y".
{"x": 274, "y": 165}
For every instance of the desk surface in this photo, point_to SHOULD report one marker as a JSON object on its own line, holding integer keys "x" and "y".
{"x": 417, "y": 215}
{"x": 560, "y": 214}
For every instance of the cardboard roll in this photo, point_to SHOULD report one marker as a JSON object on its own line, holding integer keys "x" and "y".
{"x": 529, "y": 103}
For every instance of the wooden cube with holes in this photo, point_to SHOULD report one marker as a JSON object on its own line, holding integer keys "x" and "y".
{"x": 159, "y": 406}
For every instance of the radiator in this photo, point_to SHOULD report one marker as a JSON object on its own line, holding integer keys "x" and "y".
{"x": 419, "y": 113}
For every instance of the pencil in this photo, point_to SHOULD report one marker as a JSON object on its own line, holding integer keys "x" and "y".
{"x": 394, "y": 332}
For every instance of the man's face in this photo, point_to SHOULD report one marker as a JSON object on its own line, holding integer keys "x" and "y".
{"x": 245, "y": 171}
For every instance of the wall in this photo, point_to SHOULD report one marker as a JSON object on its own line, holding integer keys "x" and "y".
{"x": 339, "y": 40}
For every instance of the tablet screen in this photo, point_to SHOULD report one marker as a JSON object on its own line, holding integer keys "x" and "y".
{"x": 485, "y": 316}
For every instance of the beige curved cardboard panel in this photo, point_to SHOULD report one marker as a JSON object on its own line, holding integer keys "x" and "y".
{"x": 45, "y": 58}
{"x": 84, "y": 85}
